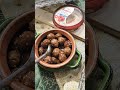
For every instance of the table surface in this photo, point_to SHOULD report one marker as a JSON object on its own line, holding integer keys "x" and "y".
{"x": 110, "y": 50}
{"x": 109, "y": 14}
{"x": 44, "y": 24}
{"x": 15, "y": 10}
{"x": 109, "y": 45}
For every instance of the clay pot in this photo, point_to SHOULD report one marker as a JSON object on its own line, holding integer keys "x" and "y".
{"x": 53, "y": 66}
{"x": 92, "y": 50}
{"x": 5, "y": 39}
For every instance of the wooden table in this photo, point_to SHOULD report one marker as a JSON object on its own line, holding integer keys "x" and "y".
{"x": 107, "y": 18}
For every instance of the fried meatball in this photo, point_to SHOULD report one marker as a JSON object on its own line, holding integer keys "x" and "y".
{"x": 32, "y": 25}
{"x": 58, "y": 35}
{"x": 55, "y": 52}
{"x": 41, "y": 50}
{"x": 50, "y": 36}
{"x": 67, "y": 51}
{"x": 25, "y": 40}
{"x": 48, "y": 59}
{"x": 45, "y": 43}
{"x": 62, "y": 57}
{"x": 62, "y": 51}
{"x": 61, "y": 40}
{"x": 55, "y": 60}
{"x": 28, "y": 79}
{"x": 13, "y": 58}
{"x": 68, "y": 44}
{"x": 54, "y": 42}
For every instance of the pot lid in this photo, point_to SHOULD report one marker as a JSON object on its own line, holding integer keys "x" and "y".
{"x": 68, "y": 17}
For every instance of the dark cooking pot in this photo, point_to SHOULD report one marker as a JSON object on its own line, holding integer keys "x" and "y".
{"x": 5, "y": 39}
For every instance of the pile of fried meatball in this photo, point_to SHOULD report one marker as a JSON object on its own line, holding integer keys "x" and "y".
{"x": 19, "y": 51}
{"x": 61, "y": 48}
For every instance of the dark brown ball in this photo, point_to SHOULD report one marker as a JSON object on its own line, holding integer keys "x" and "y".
{"x": 48, "y": 59}
{"x": 25, "y": 40}
{"x": 45, "y": 43}
{"x": 41, "y": 50}
{"x": 62, "y": 51}
{"x": 50, "y": 36}
{"x": 61, "y": 40}
{"x": 67, "y": 51}
{"x": 58, "y": 35}
{"x": 68, "y": 44}
{"x": 54, "y": 42}
{"x": 28, "y": 79}
{"x": 62, "y": 57}
{"x": 55, "y": 60}
{"x": 13, "y": 58}
{"x": 55, "y": 52}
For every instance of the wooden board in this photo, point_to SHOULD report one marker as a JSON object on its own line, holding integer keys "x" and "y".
{"x": 47, "y": 17}
{"x": 108, "y": 16}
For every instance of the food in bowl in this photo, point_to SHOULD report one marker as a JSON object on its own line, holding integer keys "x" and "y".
{"x": 60, "y": 50}
{"x": 18, "y": 53}
{"x": 25, "y": 40}
{"x": 13, "y": 58}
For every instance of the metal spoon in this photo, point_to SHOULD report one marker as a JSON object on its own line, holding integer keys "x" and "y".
{"x": 48, "y": 52}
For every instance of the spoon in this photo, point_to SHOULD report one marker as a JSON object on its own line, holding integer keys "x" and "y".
{"x": 48, "y": 52}
{"x": 30, "y": 61}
